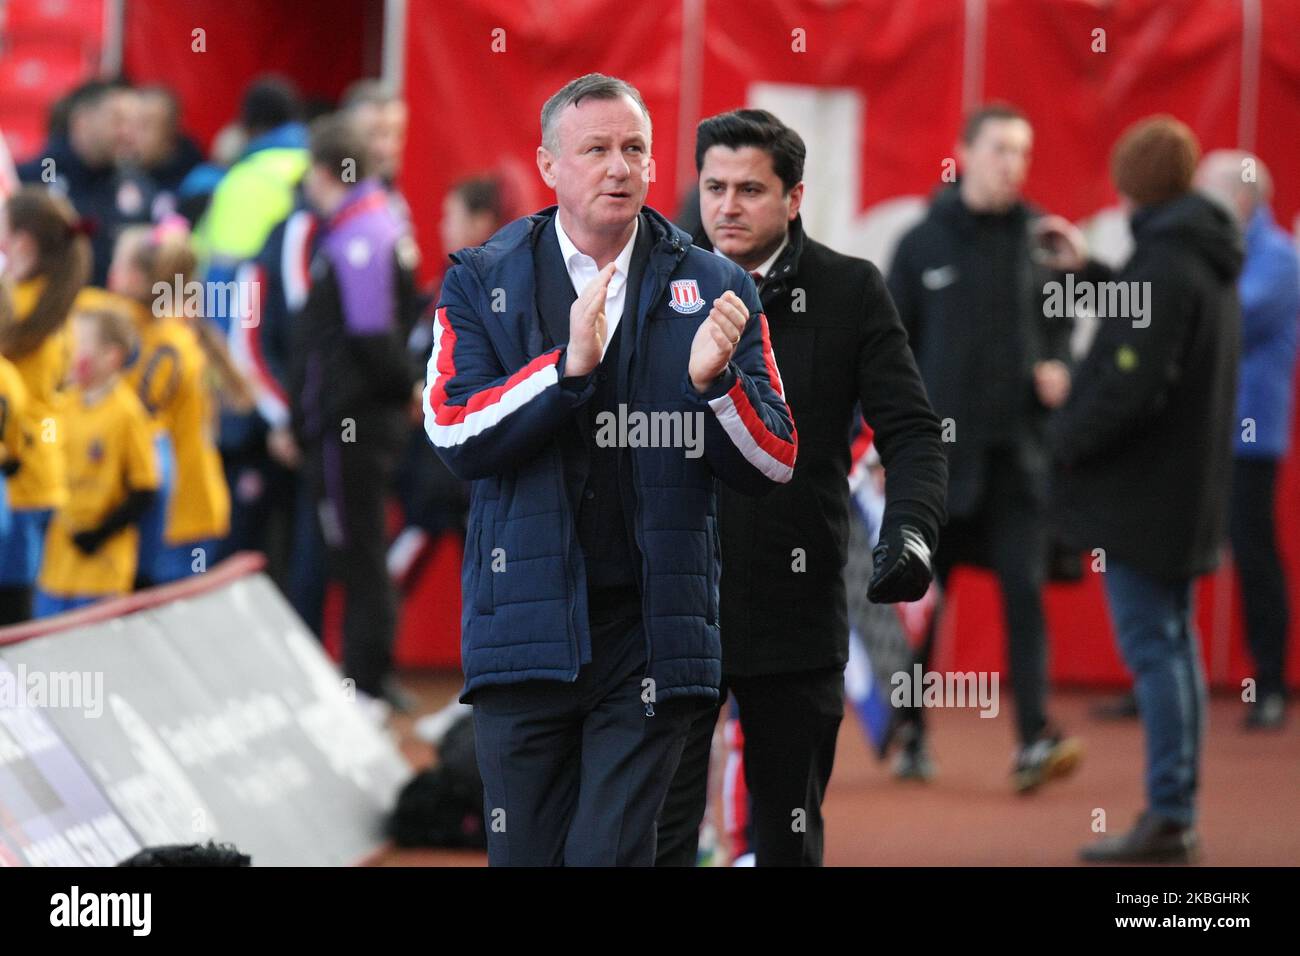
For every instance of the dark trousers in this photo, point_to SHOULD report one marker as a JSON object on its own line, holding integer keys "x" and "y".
{"x": 16, "y": 603}
{"x": 261, "y": 506}
{"x": 1007, "y": 535}
{"x": 350, "y": 482}
{"x": 790, "y": 724}
{"x": 575, "y": 774}
{"x": 307, "y": 570}
{"x": 1259, "y": 570}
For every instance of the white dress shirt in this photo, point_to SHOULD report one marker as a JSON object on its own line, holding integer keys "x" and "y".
{"x": 583, "y": 271}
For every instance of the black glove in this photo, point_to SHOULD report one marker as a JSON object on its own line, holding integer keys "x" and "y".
{"x": 129, "y": 512}
{"x": 10, "y": 467}
{"x": 88, "y": 542}
{"x": 902, "y": 566}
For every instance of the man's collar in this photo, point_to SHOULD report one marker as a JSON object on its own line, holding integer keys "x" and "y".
{"x": 793, "y": 237}
{"x": 762, "y": 270}
{"x": 766, "y": 267}
{"x": 622, "y": 263}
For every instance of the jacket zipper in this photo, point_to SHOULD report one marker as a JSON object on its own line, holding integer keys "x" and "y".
{"x": 568, "y": 577}
{"x": 640, "y": 540}
{"x": 645, "y": 584}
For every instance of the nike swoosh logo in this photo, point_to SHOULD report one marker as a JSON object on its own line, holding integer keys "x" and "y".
{"x": 934, "y": 279}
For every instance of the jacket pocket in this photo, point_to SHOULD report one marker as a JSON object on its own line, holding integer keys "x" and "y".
{"x": 713, "y": 582}
{"x": 484, "y": 590}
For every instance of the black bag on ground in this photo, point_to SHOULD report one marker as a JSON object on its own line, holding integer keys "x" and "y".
{"x": 195, "y": 854}
{"x": 443, "y": 806}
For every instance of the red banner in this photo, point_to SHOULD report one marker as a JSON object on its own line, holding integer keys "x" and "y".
{"x": 208, "y": 50}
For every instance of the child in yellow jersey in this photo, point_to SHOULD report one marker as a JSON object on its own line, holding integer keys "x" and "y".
{"x": 13, "y": 406}
{"x": 48, "y": 258}
{"x": 169, "y": 374}
{"x": 91, "y": 545}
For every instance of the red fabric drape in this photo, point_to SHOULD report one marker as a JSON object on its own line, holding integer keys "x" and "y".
{"x": 321, "y": 46}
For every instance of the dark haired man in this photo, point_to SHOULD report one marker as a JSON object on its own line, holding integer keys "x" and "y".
{"x": 257, "y": 191}
{"x": 80, "y": 160}
{"x": 971, "y": 298}
{"x": 254, "y": 195}
{"x": 351, "y": 386}
{"x": 590, "y": 586}
{"x": 159, "y": 144}
{"x": 843, "y": 356}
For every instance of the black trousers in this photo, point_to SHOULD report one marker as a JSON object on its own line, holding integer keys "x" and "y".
{"x": 350, "y": 481}
{"x": 261, "y": 506}
{"x": 1259, "y": 570}
{"x": 575, "y": 774}
{"x": 790, "y": 724}
{"x": 1007, "y": 534}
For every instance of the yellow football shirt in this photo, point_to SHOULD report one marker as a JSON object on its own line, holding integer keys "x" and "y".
{"x": 108, "y": 452}
{"x": 13, "y": 410}
{"x": 40, "y": 481}
{"x": 170, "y": 377}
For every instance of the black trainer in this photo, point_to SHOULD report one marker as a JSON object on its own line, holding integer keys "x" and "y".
{"x": 1153, "y": 839}
{"x": 1269, "y": 713}
{"x": 913, "y": 761}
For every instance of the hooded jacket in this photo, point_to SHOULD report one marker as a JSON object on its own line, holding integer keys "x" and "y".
{"x": 1145, "y": 439}
{"x": 971, "y": 299}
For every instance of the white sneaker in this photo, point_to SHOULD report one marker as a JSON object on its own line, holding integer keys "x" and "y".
{"x": 374, "y": 710}
{"x": 431, "y": 728}
{"x": 404, "y": 550}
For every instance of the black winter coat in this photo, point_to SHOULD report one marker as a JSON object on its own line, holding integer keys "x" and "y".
{"x": 970, "y": 297}
{"x": 838, "y": 343}
{"x": 1145, "y": 439}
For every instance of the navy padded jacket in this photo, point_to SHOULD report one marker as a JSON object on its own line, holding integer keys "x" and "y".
{"x": 495, "y": 401}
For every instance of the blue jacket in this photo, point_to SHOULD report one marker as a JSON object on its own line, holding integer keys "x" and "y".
{"x": 280, "y": 278}
{"x": 248, "y": 201}
{"x": 496, "y": 403}
{"x": 1270, "y": 307}
{"x": 108, "y": 197}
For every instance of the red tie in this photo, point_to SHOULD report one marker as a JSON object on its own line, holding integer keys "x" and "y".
{"x": 757, "y": 277}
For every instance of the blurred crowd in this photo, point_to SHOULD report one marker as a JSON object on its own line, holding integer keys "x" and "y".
{"x": 209, "y": 354}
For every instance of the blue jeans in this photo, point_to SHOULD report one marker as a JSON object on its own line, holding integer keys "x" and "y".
{"x": 48, "y": 605}
{"x": 175, "y": 562}
{"x": 1154, "y": 625}
{"x": 154, "y": 521}
{"x": 22, "y": 547}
